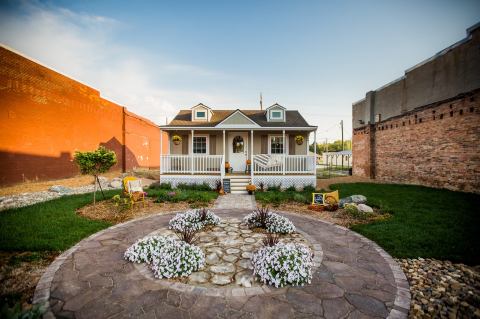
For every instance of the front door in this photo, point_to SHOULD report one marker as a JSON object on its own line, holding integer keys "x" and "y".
{"x": 237, "y": 142}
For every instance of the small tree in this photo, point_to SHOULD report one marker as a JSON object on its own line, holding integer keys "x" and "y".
{"x": 94, "y": 163}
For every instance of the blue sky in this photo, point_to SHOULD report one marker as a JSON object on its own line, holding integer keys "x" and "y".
{"x": 156, "y": 57}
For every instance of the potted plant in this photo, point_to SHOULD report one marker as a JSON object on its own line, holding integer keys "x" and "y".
{"x": 176, "y": 139}
{"x": 299, "y": 139}
{"x": 251, "y": 188}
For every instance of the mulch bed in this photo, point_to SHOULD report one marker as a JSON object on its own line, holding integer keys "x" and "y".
{"x": 339, "y": 217}
{"x": 20, "y": 273}
{"x": 107, "y": 211}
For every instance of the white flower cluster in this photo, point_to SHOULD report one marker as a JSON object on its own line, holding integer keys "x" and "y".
{"x": 283, "y": 264}
{"x": 275, "y": 223}
{"x": 166, "y": 256}
{"x": 192, "y": 220}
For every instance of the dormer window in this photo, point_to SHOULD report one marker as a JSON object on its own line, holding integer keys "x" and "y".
{"x": 201, "y": 112}
{"x": 201, "y": 115}
{"x": 275, "y": 113}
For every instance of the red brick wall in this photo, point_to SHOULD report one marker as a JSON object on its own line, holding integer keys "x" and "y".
{"x": 437, "y": 145}
{"x": 45, "y": 117}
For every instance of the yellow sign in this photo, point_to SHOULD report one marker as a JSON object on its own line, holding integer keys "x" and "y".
{"x": 325, "y": 198}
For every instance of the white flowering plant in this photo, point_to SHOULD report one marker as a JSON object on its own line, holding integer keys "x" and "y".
{"x": 167, "y": 257}
{"x": 272, "y": 222}
{"x": 283, "y": 264}
{"x": 194, "y": 220}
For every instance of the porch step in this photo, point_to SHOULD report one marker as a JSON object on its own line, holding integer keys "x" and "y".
{"x": 238, "y": 184}
{"x": 238, "y": 192}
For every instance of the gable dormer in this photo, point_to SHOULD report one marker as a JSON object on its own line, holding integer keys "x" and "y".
{"x": 276, "y": 113}
{"x": 201, "y": 113}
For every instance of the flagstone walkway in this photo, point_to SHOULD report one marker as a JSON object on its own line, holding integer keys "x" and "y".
{"x": 355, "y": 279}
{"x": 236, "y": 201}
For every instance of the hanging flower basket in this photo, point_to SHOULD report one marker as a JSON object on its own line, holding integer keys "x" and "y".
{"x": 177, "y": 139}
{"x": 299, "y": 139}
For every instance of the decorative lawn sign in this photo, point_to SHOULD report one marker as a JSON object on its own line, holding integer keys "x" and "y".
{"x": 226, "y": 185}
{"x": 317, "y": 198}
{"x": 325, "y": 198}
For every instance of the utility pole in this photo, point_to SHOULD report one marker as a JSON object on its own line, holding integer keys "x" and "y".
{"x": 261, "y": 101}
{"x": 341, "y": 125}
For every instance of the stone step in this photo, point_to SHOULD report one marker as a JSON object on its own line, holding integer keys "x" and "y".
{"x": 236, "y": 187}
{"x": 239, "y": 192}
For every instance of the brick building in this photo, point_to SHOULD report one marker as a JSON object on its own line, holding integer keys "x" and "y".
{"x": 424, "y": 128}
{"x": 45, "y": 117}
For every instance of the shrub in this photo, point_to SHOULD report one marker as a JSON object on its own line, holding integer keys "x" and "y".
{"x": 194, "y": 187}
{"x": 275, "y": 188}
{"x": 167, "y": 186}
{"x": 218, "y": 185}
{"x": 192, "y": 220}
{"x": 353, "y": 211}
{"x": 95, "y": 163}
{"x": 309, "y": 189}
{"x": 272, "y": 222}
{"x": 283, "y": 264}
{"x": 262, "y": 186}
{"x": 167, "y": 257}
{"x": 291, "y": 189}
{"x": 297, "y": 197}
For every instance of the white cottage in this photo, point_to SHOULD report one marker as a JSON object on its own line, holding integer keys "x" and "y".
{"x": 243, "y": 146}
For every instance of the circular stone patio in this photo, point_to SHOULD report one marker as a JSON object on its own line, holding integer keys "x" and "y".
{"x": 354, "y": 279}
{"x": 228, "y": 248}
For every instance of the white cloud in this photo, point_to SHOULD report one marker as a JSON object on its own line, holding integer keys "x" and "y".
{"x": 80, "y": 45}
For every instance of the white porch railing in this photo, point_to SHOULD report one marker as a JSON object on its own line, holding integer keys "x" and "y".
{"x": 283, "y": 164}
{"x": 187, "y": 164}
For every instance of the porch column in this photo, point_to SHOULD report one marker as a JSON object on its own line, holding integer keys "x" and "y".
{"x": 315, "y": 152}
{"x": 191, "y": 155}
{"x": 284, "y": 150}
{"x": 251, "y": 155}
{"x": 161, "y": 149}
{"x": 223, "y": 144}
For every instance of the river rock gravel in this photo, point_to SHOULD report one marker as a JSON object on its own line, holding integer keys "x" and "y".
{"x": 441, "y": 289}
{"x": 26, "y": 199}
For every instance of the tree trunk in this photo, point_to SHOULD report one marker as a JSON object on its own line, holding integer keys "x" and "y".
{"x": 94, "y": 189}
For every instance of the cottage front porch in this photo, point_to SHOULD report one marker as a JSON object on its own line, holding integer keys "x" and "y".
{"x": 272, "y": 157}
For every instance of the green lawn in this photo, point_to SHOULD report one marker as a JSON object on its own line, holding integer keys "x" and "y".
{"x": 48, "y": 226}
{"x": 426, "y": 222}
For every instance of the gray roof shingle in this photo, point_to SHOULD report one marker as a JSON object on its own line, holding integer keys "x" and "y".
{"x": 184, "y": 119}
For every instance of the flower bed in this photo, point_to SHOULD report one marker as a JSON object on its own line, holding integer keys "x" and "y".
{"x": 167, "y": 257}
{"x": 193, "y": 220}
{"x": 283, "y": 264}
{"x": 272, "y": 222}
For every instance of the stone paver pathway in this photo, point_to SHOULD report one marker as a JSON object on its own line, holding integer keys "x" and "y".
{"x": 356, "y": 279}
{"x": 236, "y": 201}
{"x": 228, "y": 248}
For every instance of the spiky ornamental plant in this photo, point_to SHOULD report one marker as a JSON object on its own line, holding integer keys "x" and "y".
{"x": 271, "y": 240}
{"x": 272, "y": 222}
{"x": 95, "y": 163}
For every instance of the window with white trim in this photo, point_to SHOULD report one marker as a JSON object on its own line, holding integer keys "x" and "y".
{"x": 201, "y": 114}
{"x": 276, "y": 144}
{"x": 276, "y": 114}
{"x": 200, "y": 145}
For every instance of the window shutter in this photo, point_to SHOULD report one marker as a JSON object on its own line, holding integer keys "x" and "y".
{"x": 213, "y": 144}
{"x": 185, "y": 144}
{"x": 264, "y": 144}
{"x": 291, "y": 144}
